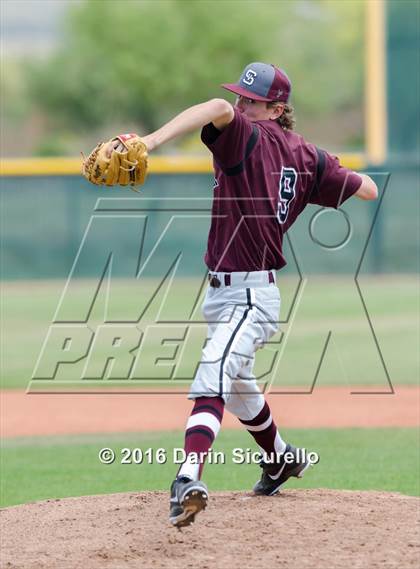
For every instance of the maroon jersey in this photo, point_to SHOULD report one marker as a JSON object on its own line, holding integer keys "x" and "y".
{"x": 264, "y": 177}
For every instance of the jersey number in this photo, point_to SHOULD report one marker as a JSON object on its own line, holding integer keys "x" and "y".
{"x": 287, "y": 192}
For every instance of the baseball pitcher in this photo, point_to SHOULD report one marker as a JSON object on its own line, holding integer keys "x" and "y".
{"x": 265, "y": 175}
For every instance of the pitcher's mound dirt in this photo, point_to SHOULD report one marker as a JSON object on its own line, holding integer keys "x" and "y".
{"x": 320, "y": 529}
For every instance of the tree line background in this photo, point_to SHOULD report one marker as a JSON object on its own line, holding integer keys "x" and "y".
{"x": 130, "y": 65}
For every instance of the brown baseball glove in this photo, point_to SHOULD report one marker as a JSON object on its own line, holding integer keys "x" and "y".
{"x": 122, "y": 161}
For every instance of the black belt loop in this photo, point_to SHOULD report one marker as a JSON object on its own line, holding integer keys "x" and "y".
{"x": 270, "y": 277}
{"x": 214, "y": 281}
{"x": 227, "y": 280}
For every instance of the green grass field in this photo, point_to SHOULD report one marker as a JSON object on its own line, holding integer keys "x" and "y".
{"x": 378, "y": 459}
{"x": 56, "y": 467}
{"x": 326, "y": 304}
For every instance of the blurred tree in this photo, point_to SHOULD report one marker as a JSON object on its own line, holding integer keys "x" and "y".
{"x": 146, "y": 60}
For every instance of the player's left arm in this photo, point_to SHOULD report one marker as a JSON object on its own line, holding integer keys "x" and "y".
{"x": 216, "y": 111}
{"x": 368, "y": 189}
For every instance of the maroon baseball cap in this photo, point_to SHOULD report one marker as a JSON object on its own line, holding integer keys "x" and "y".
{"x": 262, "y": 82}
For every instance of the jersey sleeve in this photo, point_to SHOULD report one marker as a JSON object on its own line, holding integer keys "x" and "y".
{"x": 228, "y": 146}
{"x": 335, "y": 185}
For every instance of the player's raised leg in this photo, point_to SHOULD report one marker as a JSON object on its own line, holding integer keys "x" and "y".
{"x": 229, "y": 330}
{"x": 188, "y": 494}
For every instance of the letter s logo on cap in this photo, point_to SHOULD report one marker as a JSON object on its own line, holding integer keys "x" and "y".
{"x": 249, "y": 77}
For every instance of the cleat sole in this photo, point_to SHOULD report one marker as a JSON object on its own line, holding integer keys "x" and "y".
{"x": 193, "y": 502}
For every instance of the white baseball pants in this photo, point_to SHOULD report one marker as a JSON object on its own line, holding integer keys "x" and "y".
{"x": 241, "y": 318}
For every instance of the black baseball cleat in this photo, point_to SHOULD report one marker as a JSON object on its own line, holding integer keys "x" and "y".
{"x": 292, "y": 463}
{"x": 188, "y": 497}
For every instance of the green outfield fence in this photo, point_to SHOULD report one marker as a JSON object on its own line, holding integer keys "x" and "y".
{"x": 47, "y": 206}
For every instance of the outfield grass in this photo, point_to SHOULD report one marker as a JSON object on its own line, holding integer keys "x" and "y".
{"x": 327, "y": 304}
{"x": 55, "y": 467}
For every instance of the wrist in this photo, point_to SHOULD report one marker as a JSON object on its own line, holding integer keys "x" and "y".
{"x": 150, "y": 141}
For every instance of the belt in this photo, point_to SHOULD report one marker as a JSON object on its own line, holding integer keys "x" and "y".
{"x": 245, "y": 279}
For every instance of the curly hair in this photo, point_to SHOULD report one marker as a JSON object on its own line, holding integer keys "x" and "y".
{"x": 287, "y": 119}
